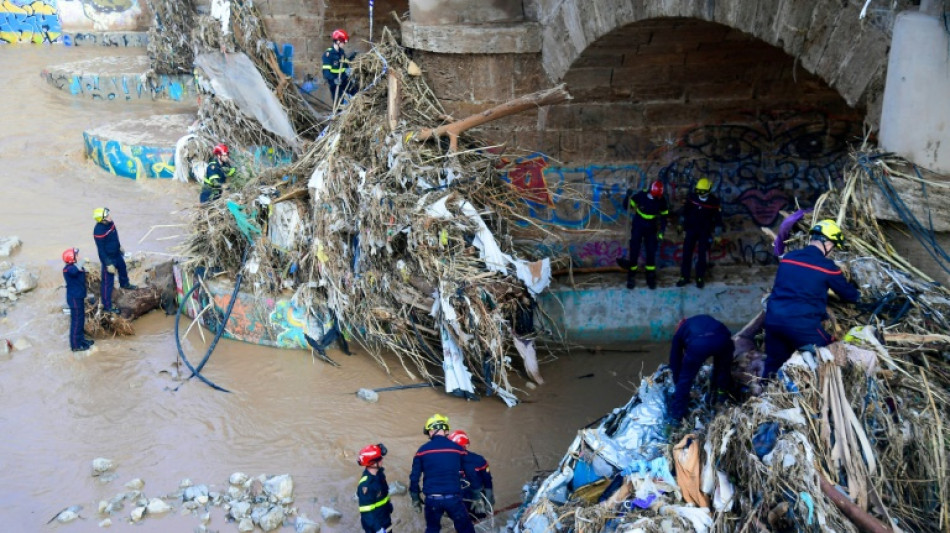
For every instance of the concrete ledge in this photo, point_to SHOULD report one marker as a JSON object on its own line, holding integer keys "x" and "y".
{"x": 137, "y": 148}
{"x": 506, "y": 38}
{"x": 611, "y": 313}
{"x": 118, "y": 78}
{"x": 106, "y": 38}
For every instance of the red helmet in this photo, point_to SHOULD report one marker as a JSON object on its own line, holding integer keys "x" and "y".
{"x": 656, "y": 189}
{"x": 69, "y": 256}
{"x": 221, "y": 149}
{"x": 370, "y": 454}
{"x": 459, "y": 437}
{"x": 341, "y": 35}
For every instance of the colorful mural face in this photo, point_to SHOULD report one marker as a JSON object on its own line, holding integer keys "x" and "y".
{"x": 135, "y": 162}
{"x": 29, "y": 21}
{"x": 758, "y": 165}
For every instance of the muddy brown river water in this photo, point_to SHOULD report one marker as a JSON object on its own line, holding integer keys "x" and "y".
{"x": 287, "y": 413}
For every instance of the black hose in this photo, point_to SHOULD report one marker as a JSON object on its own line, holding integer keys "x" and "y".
{"x": 181, "y": 352}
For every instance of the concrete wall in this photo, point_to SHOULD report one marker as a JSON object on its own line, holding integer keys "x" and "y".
{"x": 103, "y": 15}
{"x": 465, "y": 11}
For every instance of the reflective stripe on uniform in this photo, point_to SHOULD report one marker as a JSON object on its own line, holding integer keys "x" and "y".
{"x": 373, "y": 506}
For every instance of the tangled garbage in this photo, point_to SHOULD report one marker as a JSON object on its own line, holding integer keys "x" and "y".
{"x": 378, "y": 228}
{"x": 850, "y": 437}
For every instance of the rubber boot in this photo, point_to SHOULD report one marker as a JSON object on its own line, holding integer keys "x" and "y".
{"x": 700, "y": 283}
{"x": 651, "y": 279}
{"x": 631, "y": 279}
{"x": 682, "y": 282}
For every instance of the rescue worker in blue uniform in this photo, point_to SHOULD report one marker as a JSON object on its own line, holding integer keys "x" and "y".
{"x": 702, "y": 216}
{"x": 484, "y": 474}
{"x": 218, "y": 171}
{"x": 75, "y": 276}
{"x": 649, "y": 210}
{"x": 441, "y": 462}
{"x": 799, "y": 298}
{"x": 696, "y": 339}
{"x": 111, "y": 256}
{"x": 335, "y": 63}
{"x": 372, "y": 492}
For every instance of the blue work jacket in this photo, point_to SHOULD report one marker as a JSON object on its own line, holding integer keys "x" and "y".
{"x": 800, "y": 294}
{"x": 442, "y": 461}
{"x": 107, "y": 241}
{"x": 75, "y": 282}
{"x": 699, "y": 330}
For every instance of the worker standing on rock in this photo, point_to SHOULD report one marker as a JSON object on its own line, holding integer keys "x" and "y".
{"x": 484, "y": 473}
{"x": 111, "y": 255}
{"x": 799, "y": 298}
{"x": 219, "y": 170}
{"x": 335, "y": 63}
{"x": 702, "y": 217}
{"x": 649, "y": 210}
{"x": 696, "y": 339}
{"x": 442, "y": 463}
{"x": 75, "y": 276}
{"x": 372, "y": 492}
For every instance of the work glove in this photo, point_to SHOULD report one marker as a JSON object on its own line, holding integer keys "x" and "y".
{"x": 490, "y": 494}
{"x": 416, "y": 501}
{"x": 659, "y": 236}
{"x": 111, "y": 269}
{"x": 478, "y": 506}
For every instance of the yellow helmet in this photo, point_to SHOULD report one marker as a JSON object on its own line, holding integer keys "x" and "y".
{"x": 703, "y": 186}
{"x": 436, "y": 421}
{"x": 828, "y": 230}
{"x": 100, "y": 213}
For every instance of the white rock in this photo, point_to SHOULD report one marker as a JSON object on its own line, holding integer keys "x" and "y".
{"x": 238, "y": 478}
{"x": 196, "y": 492}
{"x": 158, "y": 506}
{"x": 305, "y": 525}
{"x": 281, "y": 486}
{"x": 67, "y": 516}
{"x": 185, "y": 483}
{"x": 24, "y": 280}
{"x": 106, "y": 523}
{"x": 235, "y": 492}
{"x": 8, "y": 245}
{"x": 135, "y": 484}
{"x": 245, "y": 525}
{"x": 202, "y": 499}
{"x": 137, "y": 514}
{"x": 22, "y": 344}
{"x": 273, "y": 519}
{"x": 205, "y": 518}
{"x": 100, "y": 465}
{"x": 103, "y": 505}
{"x": 239, "y": 510}
{"x": 368, "y": 395}
{"x": 329, "y": 513}
{"x": 396, "y": 488}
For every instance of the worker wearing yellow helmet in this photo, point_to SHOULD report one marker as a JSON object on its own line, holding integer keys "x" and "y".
{"x": 440, "y": 463}
{"x": 799, "y": 296}
{"x": 111, "y": 257}
{"x": 701, "y": 218}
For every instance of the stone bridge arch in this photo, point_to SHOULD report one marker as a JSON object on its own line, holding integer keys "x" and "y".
{"x": 827, "y": 37}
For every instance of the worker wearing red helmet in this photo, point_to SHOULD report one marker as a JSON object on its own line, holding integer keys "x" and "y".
{"x": 75, "y": 275}
{"x": 219, "y": 170}
{"x": 649, "y": 210}
{"x": 373, "y": 491}
{"x": 335, "y": 62}
{"x": 480, "y": 464}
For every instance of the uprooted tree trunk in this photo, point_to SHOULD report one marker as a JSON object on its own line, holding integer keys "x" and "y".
{"x": 158, "y": 291}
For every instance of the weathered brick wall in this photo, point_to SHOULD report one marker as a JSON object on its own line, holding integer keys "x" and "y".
{"x": 307, "y": 25}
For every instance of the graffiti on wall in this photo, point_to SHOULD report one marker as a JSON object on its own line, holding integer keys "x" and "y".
{"x": 29, "y": 21}
{"x": 101, "y": 15}
{"x": 759, "y": 165}
{"x": 120, "y": 87}
{"x": 130, "y": 161}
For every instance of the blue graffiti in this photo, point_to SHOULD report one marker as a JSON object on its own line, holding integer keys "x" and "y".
{"x": 123, "y": 87}
{"x": 30, "y": 25}
{"x": 133, "y": 162}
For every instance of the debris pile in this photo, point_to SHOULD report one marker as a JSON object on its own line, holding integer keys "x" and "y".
{"x": 851, "y": 438}
{"x": 132, "y": 303}
{"x": 403, "y": 243}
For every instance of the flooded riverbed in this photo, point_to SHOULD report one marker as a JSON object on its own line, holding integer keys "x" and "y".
{"x": 286, "y": 414}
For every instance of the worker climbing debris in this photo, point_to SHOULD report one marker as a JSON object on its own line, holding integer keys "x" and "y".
{"x": 218, "y": 171}
{"x": 335, "y": 65}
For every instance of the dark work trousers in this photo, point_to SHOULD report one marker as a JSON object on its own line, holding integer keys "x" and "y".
{"x": 694, "y": 238}
{"x": 686, "y": 365}
{"x": 451, "y": 505}
{"x": 781, "y": 341}
{"x": 77, "y": 322}
{"x": 208, "y": 194}
{"x": 108, "y": 279}
{"x": 644, "y": 232}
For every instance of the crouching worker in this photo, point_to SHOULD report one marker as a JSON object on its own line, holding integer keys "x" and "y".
{"x": 475, "y": 507}
{"x": 698, "y": 338}
{"x": 440, "y": 464}
{"x": 218, "y": 171}
{"x": 75, "y": 276}
{"x": 373, "y": 491}
{"x": 111, "y": 255}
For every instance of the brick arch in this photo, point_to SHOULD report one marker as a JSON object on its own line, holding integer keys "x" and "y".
{"x": 827, "y": 39}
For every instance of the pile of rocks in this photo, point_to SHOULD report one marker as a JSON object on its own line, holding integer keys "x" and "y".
{"x": 14, "y": 280}
{"x": 262, "y": 502}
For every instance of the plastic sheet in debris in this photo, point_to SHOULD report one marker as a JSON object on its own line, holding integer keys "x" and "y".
{"x": 284, "y": 224}
{"x": 235, "y": 77}
{"x": 640, "y": 433}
